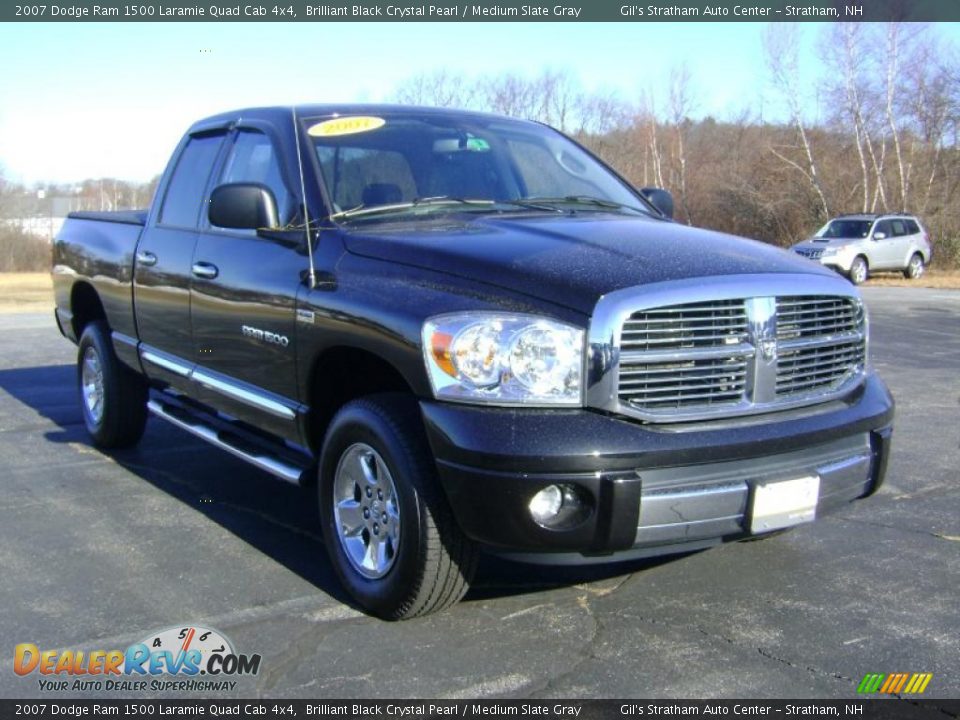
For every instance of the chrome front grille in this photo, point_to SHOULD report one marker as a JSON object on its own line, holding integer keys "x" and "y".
{"x": 733, "y": 355}
{"x": 820, "y": 343}
{"x": 683, "y": 326}
{"x": 670, "y": 355}
{"x": 811, "y": 316}
{"x": 674, "y": 385}
{"x": 813, "y": 254}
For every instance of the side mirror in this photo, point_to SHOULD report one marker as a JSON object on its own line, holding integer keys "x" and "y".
{"x": 660, "y": 199}
{"x": 879, "y": 236}
{"x": 243, "y": 206}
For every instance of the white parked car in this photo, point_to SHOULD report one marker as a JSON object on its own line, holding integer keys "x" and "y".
{"x": 857, "y": 245}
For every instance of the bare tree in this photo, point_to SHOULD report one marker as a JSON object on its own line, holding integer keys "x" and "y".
{"x": 439, "y": 89}
{"x": 681, "y": 104}
{"x": 893, "y": 51}
{"x": 780, "y": 43}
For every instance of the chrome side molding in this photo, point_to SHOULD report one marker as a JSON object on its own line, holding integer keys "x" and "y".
{"x": 243, "y": 395}
{"x": 247, "y": 396}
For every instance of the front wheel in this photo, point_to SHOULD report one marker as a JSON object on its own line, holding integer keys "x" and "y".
{"x": 915, "y": 267}
{"x": 113, "y": 397}
{"x": 859, "y": 271}
{"x": 389, "y": 532}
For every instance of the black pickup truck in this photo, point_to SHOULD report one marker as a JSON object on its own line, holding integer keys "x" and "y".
{"x": 464, "y": 331}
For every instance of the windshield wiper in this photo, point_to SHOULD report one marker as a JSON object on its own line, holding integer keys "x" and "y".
{"x": 546, "y": 204}
{"x": 361, "y": 210}
{"x": 526, "y": 204}
{"x": 586, "y": 200}
{"x": 450, "y": 199}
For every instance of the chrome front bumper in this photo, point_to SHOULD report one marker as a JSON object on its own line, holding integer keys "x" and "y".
{"x": 683, "y": 504}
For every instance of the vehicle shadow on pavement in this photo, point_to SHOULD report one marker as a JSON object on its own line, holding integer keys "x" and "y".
{"x": 274, "y": 517}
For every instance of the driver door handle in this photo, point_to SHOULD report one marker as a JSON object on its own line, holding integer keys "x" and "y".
{"x": 146, "y": 258}
{"x": 205, "y": 270}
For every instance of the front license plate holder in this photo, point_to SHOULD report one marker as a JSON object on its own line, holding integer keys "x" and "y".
{"x": 784, "y": 503}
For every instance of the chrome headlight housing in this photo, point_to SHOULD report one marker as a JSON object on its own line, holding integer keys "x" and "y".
{"x": 504, "y": 359}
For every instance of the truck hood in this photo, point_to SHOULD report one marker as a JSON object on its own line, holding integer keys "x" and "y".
{"x": 570, "y": 260}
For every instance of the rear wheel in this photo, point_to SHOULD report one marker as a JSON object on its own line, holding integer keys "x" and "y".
{"x": 915, "y": 267}
{"x": 389, "y": 532}
{"x": 859, "y": 270}
{"x": 113, "y": 397}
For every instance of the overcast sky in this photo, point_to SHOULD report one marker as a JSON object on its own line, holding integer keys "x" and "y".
{"x": 90, "y": 100}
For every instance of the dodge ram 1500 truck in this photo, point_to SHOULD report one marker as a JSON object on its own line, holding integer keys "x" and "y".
{"x": 465, "y": 331}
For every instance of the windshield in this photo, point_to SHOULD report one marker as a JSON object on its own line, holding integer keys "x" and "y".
{"x": 407, "y": 164}
{"x": 845, "y": 229}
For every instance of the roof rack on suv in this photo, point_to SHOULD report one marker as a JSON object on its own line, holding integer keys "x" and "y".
{"x": 875, "y": 215}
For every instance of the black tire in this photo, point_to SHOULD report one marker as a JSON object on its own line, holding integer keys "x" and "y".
{"x": 915, "y": 267}
{"x": 433, "y": 562}
{"x": 122, "y": 414}
{"x": 859, "y": 270}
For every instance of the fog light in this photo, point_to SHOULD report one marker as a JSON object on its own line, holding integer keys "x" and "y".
{"x": 560, "y": 507}
{"x": 546, "y": 504}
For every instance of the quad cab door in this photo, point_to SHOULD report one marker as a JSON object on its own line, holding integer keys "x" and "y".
{"x": 164, "y": 254}
{"x": 243, "y": 290}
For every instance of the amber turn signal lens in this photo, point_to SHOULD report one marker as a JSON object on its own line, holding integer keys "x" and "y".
{"x": 440, "y": 347}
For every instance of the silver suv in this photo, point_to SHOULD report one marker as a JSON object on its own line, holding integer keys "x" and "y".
{"x": 857, "y": 245}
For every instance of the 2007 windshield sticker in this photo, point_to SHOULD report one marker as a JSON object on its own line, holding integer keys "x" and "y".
{"x": 191, "y": 658}
{"x": 346, "y": 126}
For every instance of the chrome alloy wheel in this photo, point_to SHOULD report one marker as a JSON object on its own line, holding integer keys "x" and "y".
{"x": 366, "y": 511}
{"x": 915, "y": 268}
{"x": 91, "y": 381}
{"x": 858, "y": 273}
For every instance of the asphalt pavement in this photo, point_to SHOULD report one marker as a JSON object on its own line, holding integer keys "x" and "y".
{"x": 97, "y": 551}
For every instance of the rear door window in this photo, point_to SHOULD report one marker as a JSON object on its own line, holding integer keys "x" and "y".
{"x": 899, "y": 227}
{"x": 185, "y": 192}
{"x": 912, "y": 227}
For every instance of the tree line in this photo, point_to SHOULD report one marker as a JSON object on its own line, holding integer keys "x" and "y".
{"x": 876, "y": 133}
{"x": 31, "y": 215}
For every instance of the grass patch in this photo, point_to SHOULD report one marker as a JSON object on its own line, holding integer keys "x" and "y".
{"x": 939, "y": 279}
{"x": 26, "y": 292}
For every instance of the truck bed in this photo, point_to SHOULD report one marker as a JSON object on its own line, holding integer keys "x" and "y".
{"x": 95, "y": 250}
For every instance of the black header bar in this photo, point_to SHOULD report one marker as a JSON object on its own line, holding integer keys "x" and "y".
{"x": 635, "y": 11}
{"x": 866, "y": 708}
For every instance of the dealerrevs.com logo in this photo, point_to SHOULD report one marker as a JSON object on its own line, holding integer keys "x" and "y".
{"x": 190, "y": 658}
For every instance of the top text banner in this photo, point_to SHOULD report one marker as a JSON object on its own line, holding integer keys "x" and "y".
{"x": 639, "y": 11}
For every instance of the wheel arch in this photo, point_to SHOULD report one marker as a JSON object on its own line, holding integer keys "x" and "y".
{"x": 343, "y": 373}
{"x": 86, "y": 306}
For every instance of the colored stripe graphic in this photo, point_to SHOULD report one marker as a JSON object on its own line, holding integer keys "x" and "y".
{"x": 895, "y": 683}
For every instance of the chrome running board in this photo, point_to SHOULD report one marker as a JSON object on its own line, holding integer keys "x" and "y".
{"x": 205, "y": 431}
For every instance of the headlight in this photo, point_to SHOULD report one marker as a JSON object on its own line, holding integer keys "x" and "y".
{"x": 830, "y": 252}
{"x": 504, "y": 359}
